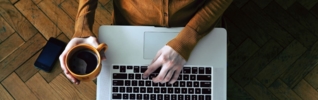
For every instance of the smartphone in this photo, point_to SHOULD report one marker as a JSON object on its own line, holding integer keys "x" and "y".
{"x": 50, "y": 53}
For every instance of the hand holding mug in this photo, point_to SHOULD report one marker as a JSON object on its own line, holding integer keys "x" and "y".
{"x": 74, "y": 63}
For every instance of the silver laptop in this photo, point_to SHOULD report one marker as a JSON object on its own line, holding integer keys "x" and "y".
{"x": 132, "y": 48}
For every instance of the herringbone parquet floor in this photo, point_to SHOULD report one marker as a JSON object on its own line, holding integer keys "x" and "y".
{"x": 272, "y": 52}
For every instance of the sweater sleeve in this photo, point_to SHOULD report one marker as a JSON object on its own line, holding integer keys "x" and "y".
{"x": 85, "y": 18}
{"x": 199, "y": 26}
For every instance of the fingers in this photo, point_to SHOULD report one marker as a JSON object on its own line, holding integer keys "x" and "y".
{"x": 152, "y": 67}
{"x": 176, "y": 74}
{"x": 163, "y": 74}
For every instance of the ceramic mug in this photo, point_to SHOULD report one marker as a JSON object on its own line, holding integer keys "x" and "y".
{"x": 84, "y": 61}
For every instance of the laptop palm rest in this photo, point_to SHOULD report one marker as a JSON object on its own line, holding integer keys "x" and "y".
{"x": 154, "y": 41}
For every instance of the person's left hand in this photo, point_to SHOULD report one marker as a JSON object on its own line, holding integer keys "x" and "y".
{"x": 171, "y": 62}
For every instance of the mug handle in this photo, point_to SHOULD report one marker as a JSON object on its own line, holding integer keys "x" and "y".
{"x": 102, "y": 47}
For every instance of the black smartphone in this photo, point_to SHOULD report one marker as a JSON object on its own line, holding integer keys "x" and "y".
{"x": 50, "y": 53}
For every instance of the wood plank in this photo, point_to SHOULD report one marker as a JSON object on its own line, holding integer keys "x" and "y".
{"x": 239, "y": 3}
{"x": 301, "y": 67}
{"x": 250, "y": 28}
{"x": 102, "y": 16}
{"x": 280, "y": 64}
{"x": 46, "y": 27}
{"x": 241, "y": 55}
{"x": 314, "y": 10}
{"x": 21, "y": 55}
{"x": 308, "y": 4}
{"x": 65, "y": 89}
{"x": 10, "y": 45}
{"x": 4, "y": 95}
{"x": 302, "y": 15}
{"x": 257, "y": 63}
{"x": 299, "y": 32}
{"x": 16, "y": 20}
{"x": 282, "y": 91}
{"x": 104, "y": 2}
{"x": 41, "y": 90}
{"x": 230, "y": 48}
{"x": 259, "y": 91}
{"x": 13, "y": 1}
{"x": 261, "y": 3}
{"x": 312, "y": 76}
{"x": 70, "y": 7}
{"x": 87, "y": 88}
{"x": 110, "y": 6}
{"x": 305, "y": 91}
{"x": 235, "y": 34}
{"x": 17, "y": 88}
{"x": 5, "y": 30}
{"x": 56, "y": 68}
{"x": 37, "y": 1}
{"x": 236, "y": 92}
{"x": 58, "y": 16}
{"x": 27, "y": 70}
{"x": 285, "y": 3}
{"x": 269, "y": 25}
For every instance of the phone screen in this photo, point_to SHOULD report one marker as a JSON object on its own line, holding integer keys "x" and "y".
{"x": 49, "y": 54}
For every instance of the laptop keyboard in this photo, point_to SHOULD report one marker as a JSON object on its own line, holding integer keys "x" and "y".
{"x": 194, "y": 83}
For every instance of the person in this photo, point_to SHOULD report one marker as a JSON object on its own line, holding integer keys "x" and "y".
{"x": 198, "y": 18}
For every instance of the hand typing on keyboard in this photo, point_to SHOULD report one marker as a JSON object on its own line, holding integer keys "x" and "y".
{"x": 171, "y": 63}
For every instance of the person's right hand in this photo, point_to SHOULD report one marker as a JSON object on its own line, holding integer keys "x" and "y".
{"x": 76, "y": 41}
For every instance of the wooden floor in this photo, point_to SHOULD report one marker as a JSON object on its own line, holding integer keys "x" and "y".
{"x": 272, "y": 52}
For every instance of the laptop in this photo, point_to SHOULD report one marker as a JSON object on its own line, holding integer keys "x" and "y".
{"x": 132, "y": 48}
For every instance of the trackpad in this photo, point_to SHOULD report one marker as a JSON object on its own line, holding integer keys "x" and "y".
{"x": 154, "y": 41}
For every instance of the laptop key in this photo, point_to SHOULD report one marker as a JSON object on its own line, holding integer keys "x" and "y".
{"x": 191, "y": 90}
{"x": 155, "y": 84}
{"x": 187, "y": 97}
{"x": 194, "y": 97}
{"x": 134, "y": 83}
{"x": 141, "y": 83}
{"x": 180, "y": 77}
{"x": 129, "y": 67}
{"x": 170, "y": 90}
{"x": 162, "y": 84}
{"x": 122, "y": 69}
{"x": 193, "y": 77}
{"x": 156, "y": 90}
{"x": 139, "y": 96}
{"x": 127, "y": 82}
{"x": 136, "y": 89}
{"x": 173, "y": 97}
{"x": 168, "y": 84}
{"x": 167, "y": 97}
{"x": 176, "y": 90}
{"x": 208, "y": 70}
{"x": 201, "y": 97}
{"x": 116, "y": 96}
{"x": 148, "y": 83}
{"x": 122, "y": 89}
{"x": 197, "y": 91}
{"x": 125, "y": 96}
{"x": 115, "y": 67}
{"x": 182, "y": 84}
{"x": 180, "y": 97}
{"x": 115, "y": 89}
{"x": 153, "y": 96}
{"x": 186, "y": 70}
{"x": 146, "y": 96}
{"x": 136, "y": 69}
{"x": 195, "y": 84}
{"x": 206, "y": 91}
{"x": 184, "y": 90}
{"x": 119, "y": 76}
{"x": 138, "y": 76}
{"x": 132, "y": 96}
{"x": 163, "y": 90}
{"x": 143, "y": 69}
{"x": 205, "y": 84}
{"x": 118, "y": 83}
{"x": 201, "y": 70}
{"x": 207, "y": 97}
{"x": 131, "y": 76}
{"x": 189, "y": 84}
{"x": 159, "y": 97}
{"x": 176, "y": 84}
{"x": 142, "y": 89}
{"x": 194, "y": 70}
{"x": 185, "y": 77}
{"x": 204, "y": 77}
{"x": 149, "y": 89}
{"x": 129, "y": 89}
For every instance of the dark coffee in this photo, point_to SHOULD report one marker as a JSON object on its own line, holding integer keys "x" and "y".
{"x": 83, "y": 62}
